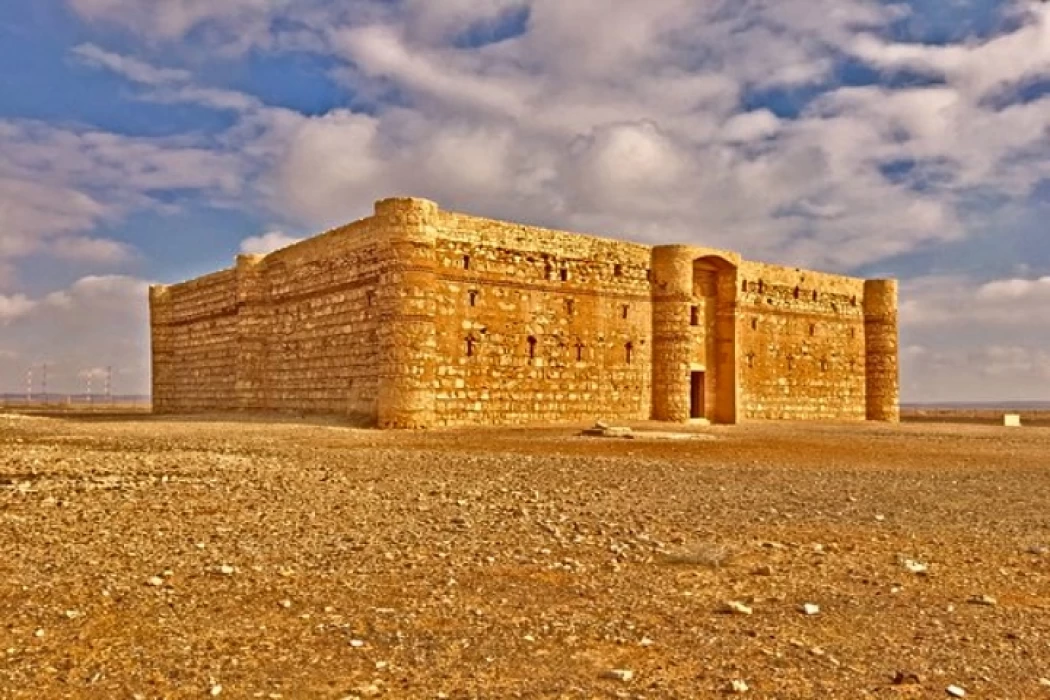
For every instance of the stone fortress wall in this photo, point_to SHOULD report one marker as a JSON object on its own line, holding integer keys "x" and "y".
{"x": 418, "y": 317}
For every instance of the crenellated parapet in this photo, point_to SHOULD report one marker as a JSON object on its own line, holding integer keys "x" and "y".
{"x": 407, "y": 308}
{"x": 881, "y": 350}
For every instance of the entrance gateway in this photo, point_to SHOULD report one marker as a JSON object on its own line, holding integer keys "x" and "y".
{"x": 696, "y": 395}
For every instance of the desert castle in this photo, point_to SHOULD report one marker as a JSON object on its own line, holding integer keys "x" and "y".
{"x": 419, "y": 317}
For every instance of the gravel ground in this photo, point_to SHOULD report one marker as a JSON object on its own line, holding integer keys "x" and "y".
{"x": 149, "y": 558}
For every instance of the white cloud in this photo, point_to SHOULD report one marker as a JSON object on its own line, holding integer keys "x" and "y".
{"x": 98, "y": 321}
{"x": 1016, "y": 290}
{"x": 57, "y": 185}
{"x": 617, "y": 118}
{"x": 130, "y": 68}
{"x": 969, "y": 341}
{"x": 980, "y": 68}
{"x": 267, "y": 242}
{"x": 12, "y": 307}
{"x": 173, "y": 19}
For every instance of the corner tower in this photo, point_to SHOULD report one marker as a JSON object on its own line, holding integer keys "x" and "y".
{"x": 407, "y": 308}
{"x": 882, "y": 381}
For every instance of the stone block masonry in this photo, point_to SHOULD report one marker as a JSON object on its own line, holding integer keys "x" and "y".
{"x": 417, "y": 317}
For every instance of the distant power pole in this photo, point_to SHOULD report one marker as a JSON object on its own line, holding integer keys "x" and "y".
{"x": 43, "y": 383}
{"x": 90, "y": 394}
{"x": 29, "y": 385}
{"x": 109, "y": 385}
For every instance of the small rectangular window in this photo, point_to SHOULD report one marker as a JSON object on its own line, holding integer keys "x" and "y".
{"x": 694, "y": 315}
{"x": 466, "y": 262}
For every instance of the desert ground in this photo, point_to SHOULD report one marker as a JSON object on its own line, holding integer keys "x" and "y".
{"x": 145, "y": 557}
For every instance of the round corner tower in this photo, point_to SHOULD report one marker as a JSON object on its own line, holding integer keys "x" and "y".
{"x": 672, "y": 294}
{"x": 407, "y": 338}
{"x": 882, "y": 377}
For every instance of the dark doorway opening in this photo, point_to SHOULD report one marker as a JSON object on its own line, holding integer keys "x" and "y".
{"x": 696, "y": 395}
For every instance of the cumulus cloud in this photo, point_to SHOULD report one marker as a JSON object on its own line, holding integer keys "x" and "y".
{"x": 12, "y": 307}
{"x": 618, "y": 118}
{"x": 977, "y": 68}
{"x": 107, "y": 315}
{"x": 267, "y": 242}
{"x": 982, "y": 341}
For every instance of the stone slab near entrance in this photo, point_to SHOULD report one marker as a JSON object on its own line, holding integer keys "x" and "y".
{"x": 418, "y": 317}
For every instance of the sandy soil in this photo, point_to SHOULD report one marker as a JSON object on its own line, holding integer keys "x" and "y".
{"x": 144, "y": 558}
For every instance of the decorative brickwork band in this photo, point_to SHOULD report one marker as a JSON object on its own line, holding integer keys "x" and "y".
{"x": 881, "y": 350}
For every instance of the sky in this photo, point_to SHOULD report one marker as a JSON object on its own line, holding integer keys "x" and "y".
{"x": 145, "y": 141}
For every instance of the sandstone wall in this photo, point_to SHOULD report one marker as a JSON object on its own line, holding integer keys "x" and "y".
{"x": 194, "y": 333}
{"x": 322, "y": 315}
{"x": 292, "y": 331}
{"x": 418, "y": 317}
{"x": 802, "y": 344}
{"x": 536, "y": 325}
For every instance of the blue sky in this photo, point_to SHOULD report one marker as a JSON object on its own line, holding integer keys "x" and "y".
{"x": 144, "y": 141}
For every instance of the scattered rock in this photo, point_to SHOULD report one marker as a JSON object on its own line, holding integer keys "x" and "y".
{"x": 155, "y": 581}
{"x": 734, "y": 607}
{"x": 983, "y": 600}
{"x": 916, "y": 567}
{"x": 810, "y": 609}
{"x": 601, "y": 429}
{"x": 738, "y": 686}
{"x": 216, "y": 690}
{"x": 955, "y": 691}
{"x": 906, "y": 678}
{"x": 764, "y": 570}
{"x": 620, "y": 674}
{"x": 227, "y": 570}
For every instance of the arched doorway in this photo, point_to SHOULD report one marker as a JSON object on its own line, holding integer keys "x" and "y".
{"x": 713, "y": 380}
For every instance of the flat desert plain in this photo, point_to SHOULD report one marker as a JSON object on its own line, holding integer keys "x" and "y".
{"x": 145, "y": 557}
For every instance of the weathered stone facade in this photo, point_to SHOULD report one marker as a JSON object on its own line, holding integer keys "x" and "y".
{"x": 417, "y": 317}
